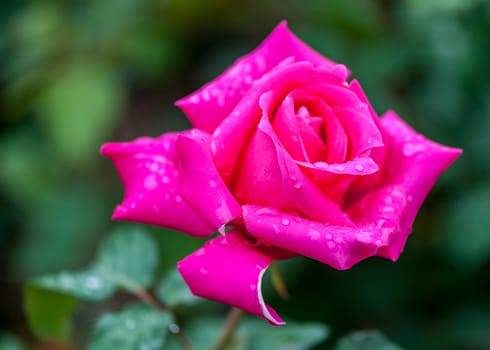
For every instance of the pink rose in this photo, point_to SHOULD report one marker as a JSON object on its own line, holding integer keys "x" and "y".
{"x": 291, "y": 157}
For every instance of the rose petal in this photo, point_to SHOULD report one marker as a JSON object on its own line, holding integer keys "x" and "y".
{"x": 338, "y": 246}
{"x": 235, "y": 131}
{"x": 277, "y": 180}
{"x": 313, "y": 144}
{"x": 152, "y": 189}
{"x": 201, "y": 186}
{"x": 414, "y": 163}
{"x": 336, "y": 141}
{"x": 229, "y": 270}
{"x": 378, "y": 154}
{"x": 207, "y": 107}
{"x": 286, "y": 127}
{"x": 334, "y": 179}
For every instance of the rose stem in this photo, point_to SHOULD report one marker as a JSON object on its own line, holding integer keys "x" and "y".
{"x": 232, "y": 321}
{"x": 147, "y": 298}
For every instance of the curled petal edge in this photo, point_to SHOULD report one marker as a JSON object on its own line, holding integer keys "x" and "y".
{"x": 229, "y": 270}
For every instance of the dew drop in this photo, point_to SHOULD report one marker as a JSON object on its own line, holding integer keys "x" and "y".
{"x": 285, "y": 222}
{"x": 388, "y": 210}
{"x": 194, "y": 99}
{"x": 212, "y": 183}
{"x": 411, "y": 149}
{"x": 165, "y": 179}
{"x": 359, "y": 167}
{"x": 206, "y": 96}
{"x": 339, "y": 168}
{"x": 150, "y": 183}
{"x": 266, "y": 211}
{"x": 178, "y": 199}
{"x": 321, "y": 165}
{"x": 174, "y": 328}
{"x": 314, "y": 235}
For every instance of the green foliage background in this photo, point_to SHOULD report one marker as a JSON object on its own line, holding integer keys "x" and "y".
{"x": 74, "y": 74}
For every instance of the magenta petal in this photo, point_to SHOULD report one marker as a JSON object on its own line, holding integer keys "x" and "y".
{"x": 201, "y": 186}
{"x": 338, "y": 246}
{"x": 335, "y": 179}
{"x": 208, "y": 107}
{"x": 152, "y": 188}
{"x": 276, "y": 179}
{"x": 229, "y": 270}
{"x": 232, "y": 135}
{"x": 414, "y": 163}
{"x": 356, "y": 166}
{"x": 286, "y": 127}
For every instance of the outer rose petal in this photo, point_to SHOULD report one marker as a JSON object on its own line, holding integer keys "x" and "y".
{"x": 148, "y": 170}
{"x": 210, "y": 105}
{"x": 201, "y": 185}
{"x": 229, "y": 270}
{"x": 338, "y": 246}
{"x": 414, "y": 163}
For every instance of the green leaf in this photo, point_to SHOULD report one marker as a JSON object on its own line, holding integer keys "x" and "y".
{"x": 9, "y": 341}
{"x": 85, "y": 285}
{"x": 173, "y": 291}
{"x": 366, "y": 340}
{"x": 129, "y": 258}
{"x": 48, "y": 312}
{"x": 79, "y": 109}
{"x": 292, "y": 336}
{"x": 136, "y": 327}
{"x": 203, "y": 333}
{"x": 445, "y": 6}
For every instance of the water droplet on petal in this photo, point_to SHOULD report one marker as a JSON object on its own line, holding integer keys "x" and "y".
{"x": 206, "y": 96}
{"x": 411, "y": 149}
{"x": 150, "y": 182}
{"x": 285, "y": 222}
{"x": 359, "y": 167}
{"x": 266, "y": 211}
{"x": 212, "y": 183}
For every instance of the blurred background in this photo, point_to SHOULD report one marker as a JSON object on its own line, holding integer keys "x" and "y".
{"x": 74, "y": 74}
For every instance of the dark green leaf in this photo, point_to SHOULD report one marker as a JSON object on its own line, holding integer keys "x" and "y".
{"x": 48, "y": 312}
{"x": 85, "y": 285}
{"x": 203, "y": 333}
{"x": 292, "y": 336}
{"x": 366, "y": 340}
{"x": 435, "y": 6}
{"x": 129, "y": 258}
{"x": 79, "y": 110}
{"x": 136, "y": 327}
{"x": 173, "y": 291}
{"x": 10, "y": 342}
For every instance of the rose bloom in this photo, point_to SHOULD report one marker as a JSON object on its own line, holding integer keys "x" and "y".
{"x": 291, "y": 158}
